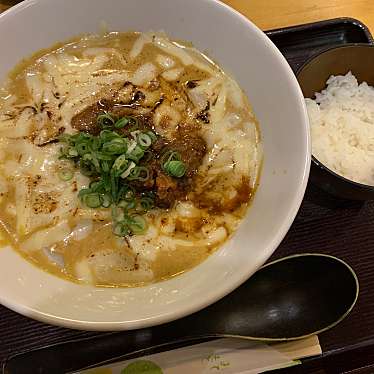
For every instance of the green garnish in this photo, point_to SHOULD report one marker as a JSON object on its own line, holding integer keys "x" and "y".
{"x": 144, "y": 140}
{"x": 92, "y": 200}
{"x": 106, "y": 200}
{"x": 105, "y": 120}
{"x": 146, "y": 203}
{"x": 173, "y": 165}
{"x": 117, "y": 164}
{"x": 140, "y": 173}
{"x": 65, "y": 174}
{"x": 120, "y": 164}
{"x": 121, "y": 123}
{"x": 136, "y": 153}
{"x": 126, "y": 121}
{"x": 120, "y": 229}
{"x": 175, "y": 168}
{"x": 115, "y": 146}
{"x": 137, "y": 224}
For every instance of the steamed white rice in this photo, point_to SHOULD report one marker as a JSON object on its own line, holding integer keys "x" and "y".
{"x": 342, "y": 126}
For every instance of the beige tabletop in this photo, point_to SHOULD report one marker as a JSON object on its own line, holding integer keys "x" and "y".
{"x": 270, "y": 14}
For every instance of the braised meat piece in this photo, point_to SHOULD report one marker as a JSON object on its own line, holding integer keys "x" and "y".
{"x": 86, "y": 120}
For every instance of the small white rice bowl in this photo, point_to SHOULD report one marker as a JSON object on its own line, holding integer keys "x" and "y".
{"x": 342, "y": 127}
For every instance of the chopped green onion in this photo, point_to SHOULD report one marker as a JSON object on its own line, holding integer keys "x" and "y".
{"x": 108, "y": 135}
{"x": 115, "y": 146}
{"x": 117, "y": 213}
{"x": 103, "y": 156}
{"x": 152, "y": 135}
{"x": 127, "y": 204}
{"x": 127, "y": 172}
{"x": 105, "y": 120}
{"x": 97, "y": 186}
{"x": 82, "y": 148}
{"x": 131, "y": 146}
{"x": 91, "y": 157}
{"x": 175, "y": 168}
{"x": 120, "y": 229}
{"x": 65, "y": 174}
{"x": 83, "y": 192}
{"x": 171, "y": 163}
{"x": 133, "y": 122}
{"x": 106, "y": 200}
{"x": 105, "y": 166}
{"x": 121, "y": 123}
{"x": 105, "y": 179}
{"x": 136, "y": 154}
{"x": 146, "y": 203}
{"x": 144, "y": 140}
{"x": 72, "y": 152}
{"x": 137, "y": 224}
{"x": 95, "y": 144}
{"x": 170, "y": 156}
{"x": 114, "y": 184}
{"x": 86, "y": 168}
{"x": 120, "y": 164}
{"x": 92, "y": 200}
{"x": 140, "y": 173}
{"x": 111, "y": 161}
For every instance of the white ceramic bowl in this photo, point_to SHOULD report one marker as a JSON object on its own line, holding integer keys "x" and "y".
{"x": 242, "y": 49}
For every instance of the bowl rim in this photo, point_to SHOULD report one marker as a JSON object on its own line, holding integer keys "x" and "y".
{"x": 314, "y": 159}
{"x": 283, "y": 228}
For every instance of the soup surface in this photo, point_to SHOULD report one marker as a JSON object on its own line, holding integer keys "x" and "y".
{"x": 125, "y": 158}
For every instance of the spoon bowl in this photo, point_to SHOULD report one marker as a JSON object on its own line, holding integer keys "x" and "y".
{"x": 288, "y": 299}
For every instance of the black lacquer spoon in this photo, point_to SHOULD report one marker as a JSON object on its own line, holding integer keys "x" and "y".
{"x": 288, "y": 299}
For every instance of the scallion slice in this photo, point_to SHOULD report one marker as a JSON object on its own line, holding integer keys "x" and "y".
{"x": 82, "y": 148}
{"x": 137, "y": 224}
{"x": 120, "y": 229}
{"x": 120, "y": 164}
{"x": 118, "y": 214}
{"x": 108, "y": 135}
{"x": 127, "y": 204}
{"x": 140, "y": 173}
{"x": 65, "y": 174}
{"x": 92, "y": 200}
{"x": 127, "y": 172}
{"x": 72, "y": 152}
{"x": 115, "y": 146}
{"x": 105, "y": 120}
{"x": 121, "y": 123}
{"x": 175, "y": 168}
{"x": 136, "y": 154}
{"x": 152, "y": 135}
{"x": 146, "y": 203}
{"x": 170, "y": 156}
{"x": 144, "y": 140}
{"x": 106, "y": 200}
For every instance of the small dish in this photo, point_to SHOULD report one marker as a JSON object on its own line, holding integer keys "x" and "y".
{"x": 312, "y": 77}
